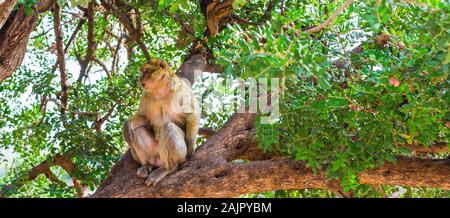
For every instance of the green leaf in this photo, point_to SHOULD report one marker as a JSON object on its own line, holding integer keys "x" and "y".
{"x": 61, "y": 2}
{"x": 391, "y": 158}
{"x": 174, "y": 7}
{"x": 323, "y": 83}
{"x": 404, "y": 151}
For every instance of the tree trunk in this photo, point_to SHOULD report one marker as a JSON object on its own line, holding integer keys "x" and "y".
{"x": 13, "y": 41}
{"x": 14, "y": 34}
{"x": 5, "y": 10}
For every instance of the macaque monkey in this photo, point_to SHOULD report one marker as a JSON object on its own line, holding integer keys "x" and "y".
{"x": 215, "y": 11}
{"x": 163, "y": 132}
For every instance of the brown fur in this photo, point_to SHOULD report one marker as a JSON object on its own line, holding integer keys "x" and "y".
{"x": 163, "y": 131}
{"x": 215, "y": 11}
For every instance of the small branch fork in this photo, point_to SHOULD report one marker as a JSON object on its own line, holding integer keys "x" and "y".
{"x": 135, "y": 32}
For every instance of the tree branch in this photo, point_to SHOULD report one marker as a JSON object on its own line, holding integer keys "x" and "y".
{"x": 330, "y": 19}
{"x": 64, "y": 161}
{"x": 135, "y": 33}
{"x": 418, "y": 148}
{"x": 60, "y": 58}
{"x": 91, "y": 34}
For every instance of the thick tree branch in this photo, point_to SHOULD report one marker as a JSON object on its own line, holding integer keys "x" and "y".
{"x": 415, "y": 172}
{"x": 44, "y": 5}
{"x": 418, "y": 148}
{"x": 210, "y": 172}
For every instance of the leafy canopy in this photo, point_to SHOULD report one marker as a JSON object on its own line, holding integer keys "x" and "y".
{"x": 343, "y": 110}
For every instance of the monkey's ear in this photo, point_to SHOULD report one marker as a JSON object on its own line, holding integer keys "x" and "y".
{"x": 145, "y": 69}
{"x": 162, "y": 64}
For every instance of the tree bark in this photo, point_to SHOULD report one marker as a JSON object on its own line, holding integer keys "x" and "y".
{"x": 14, "y": 34}
{"x": 5, "y": 10}
{"x": 13, "y": 41}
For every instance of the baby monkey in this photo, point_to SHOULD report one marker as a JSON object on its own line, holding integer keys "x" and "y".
{"x": 162, "y": 133}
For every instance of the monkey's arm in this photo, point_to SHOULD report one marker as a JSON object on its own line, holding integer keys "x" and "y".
{"x": 134, "y": 122}
{"x": 192, "y": 123}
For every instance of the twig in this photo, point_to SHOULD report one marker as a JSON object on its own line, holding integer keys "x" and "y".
{"x": 83, "y": 113}
{"x": 41, "y": 34}
{"x": 99, "y": 62}
{"x": 115, "y": 54}
{"x": 99, "y": 122}
{"x": 135, "y": 33}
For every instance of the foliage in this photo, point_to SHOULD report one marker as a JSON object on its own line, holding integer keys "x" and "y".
{"x": 341, "y": 111}
{"x": 348, "y": 120}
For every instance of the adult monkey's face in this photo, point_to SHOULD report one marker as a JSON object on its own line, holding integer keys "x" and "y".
{"x": 157, "y": 79}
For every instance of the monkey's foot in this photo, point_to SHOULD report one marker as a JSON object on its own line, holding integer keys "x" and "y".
{"x": 143, "y": 171}
{"x": 157, "y": 176}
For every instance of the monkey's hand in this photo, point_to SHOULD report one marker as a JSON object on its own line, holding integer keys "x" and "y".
{"x": 190, "y": 147}
{"x": 137, "y": 121}
{"x": 192, "y": 122}
{"x": 132, "y": 123}
{"x": 144, "y": 171}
